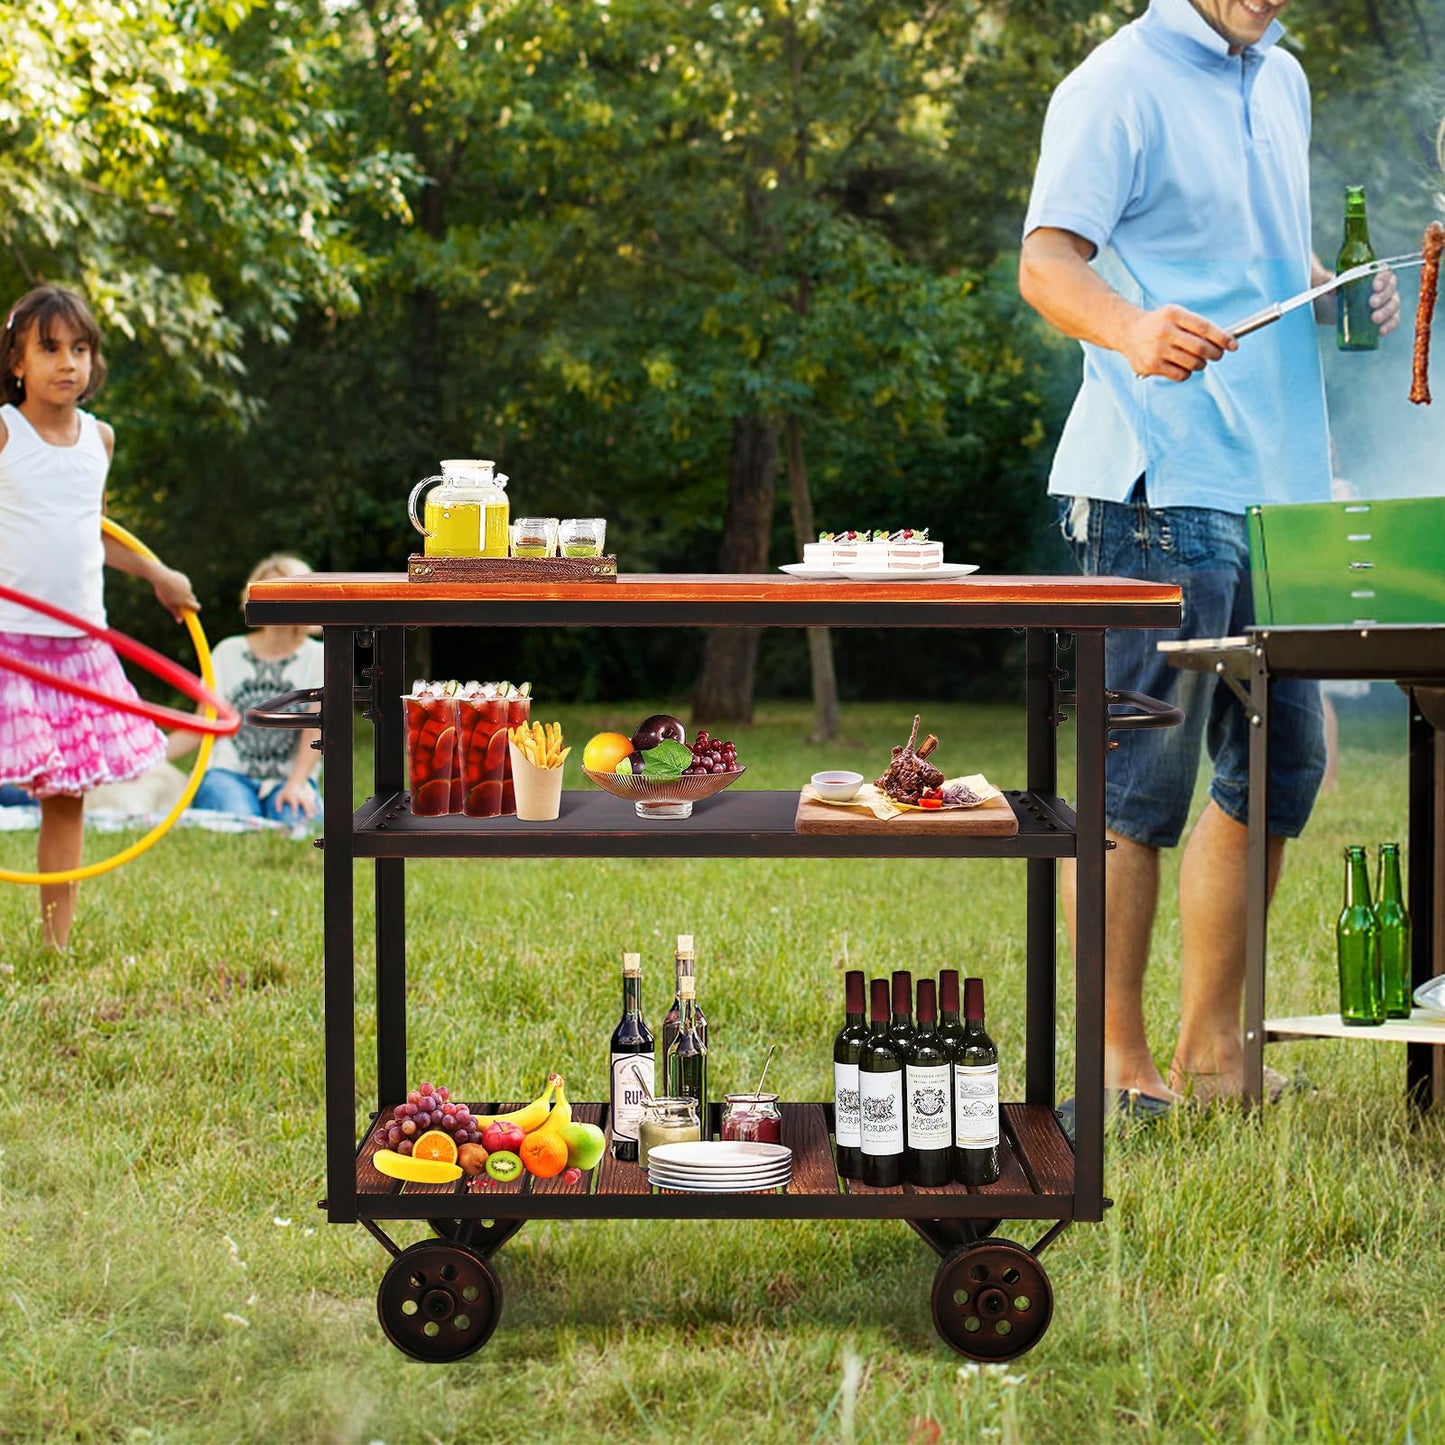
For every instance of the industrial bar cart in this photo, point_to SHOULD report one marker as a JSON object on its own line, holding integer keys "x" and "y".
{"x": 440, "y": 1299}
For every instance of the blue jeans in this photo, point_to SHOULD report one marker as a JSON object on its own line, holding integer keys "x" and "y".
{"x": 1149, "y": 779}
{"x": 223, "y": 791}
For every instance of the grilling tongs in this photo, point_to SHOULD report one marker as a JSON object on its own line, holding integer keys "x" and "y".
{"x": 1355, "y": 273}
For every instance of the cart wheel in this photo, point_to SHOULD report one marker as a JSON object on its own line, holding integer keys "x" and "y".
{"x": 992, "y": 1301}
{"x": 481, "y": 1236}
{"x": 439, "y": 1302}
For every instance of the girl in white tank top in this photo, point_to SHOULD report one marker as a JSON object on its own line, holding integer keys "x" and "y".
{"x": 53, "y": 463}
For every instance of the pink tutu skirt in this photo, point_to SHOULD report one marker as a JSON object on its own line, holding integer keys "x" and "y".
{"x": 53, "y": 743}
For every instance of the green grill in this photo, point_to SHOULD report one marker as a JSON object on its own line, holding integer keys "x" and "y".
{"x": 1348, "y": 563}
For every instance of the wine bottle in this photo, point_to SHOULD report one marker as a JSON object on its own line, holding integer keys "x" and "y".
{"x": 1355, "y": 327}
{"x": 975, "y": 1095}
{"x": 846, "y": 1049}
{"x": 900, "y": 1028}
{"x": 633, "y": 1065}
{"x": 880, "y": 1097}
{"x": 1357, "y": 946}
{"x": 1395, "y": 934}
{"x": 927, "y": 1096}
{"x": 687, "y": 1058}
{"x": 950, "y": 1026}
{"x": 686, "y": 963}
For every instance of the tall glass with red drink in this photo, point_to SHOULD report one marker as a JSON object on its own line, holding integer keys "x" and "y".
{"x": 519, "y": 710}
{"x": 431, "y": 745}
{"x": 482, "y": 760}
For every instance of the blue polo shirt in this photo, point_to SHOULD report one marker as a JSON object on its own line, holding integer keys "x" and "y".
{"x": 1188, "y": 169}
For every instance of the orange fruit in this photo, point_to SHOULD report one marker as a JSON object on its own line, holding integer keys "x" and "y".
{"x": 603, "y": 753}
{"x": 435, "y": 1144}
{"x": 544, "y": 1153}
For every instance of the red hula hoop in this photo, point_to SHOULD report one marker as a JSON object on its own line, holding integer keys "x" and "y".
{"x": 188, "y": 684}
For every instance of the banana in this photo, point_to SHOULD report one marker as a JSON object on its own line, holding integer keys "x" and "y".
{"x": 530, "y": 1116}
{"x": 561, "y": 1114}
{"x": 415, "y": 1171}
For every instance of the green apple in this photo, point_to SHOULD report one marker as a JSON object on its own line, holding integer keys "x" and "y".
{"x": 586, "y": 1144}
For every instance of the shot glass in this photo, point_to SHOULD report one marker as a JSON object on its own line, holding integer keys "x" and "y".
{"x": 534, "y": 537}
{"x": 582, "y": 536}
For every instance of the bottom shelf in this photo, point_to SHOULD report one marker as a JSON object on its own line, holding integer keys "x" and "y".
{"x": 1036, "y": 1182}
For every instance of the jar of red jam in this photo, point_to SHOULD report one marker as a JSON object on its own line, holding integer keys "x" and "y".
{"x": 755, "y": 1118}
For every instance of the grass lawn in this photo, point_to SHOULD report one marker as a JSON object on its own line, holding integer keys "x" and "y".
{"x": 165, "y": 1275}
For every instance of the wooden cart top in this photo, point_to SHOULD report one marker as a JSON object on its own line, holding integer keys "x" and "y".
{"x": 364, "y": 599}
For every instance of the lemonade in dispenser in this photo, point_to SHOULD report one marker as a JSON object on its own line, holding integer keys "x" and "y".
{"x": 466, "y": 513}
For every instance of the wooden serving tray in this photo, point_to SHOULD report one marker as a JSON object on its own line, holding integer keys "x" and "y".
{"x": 993, "y": 819}
{"x": 420, "y": 568}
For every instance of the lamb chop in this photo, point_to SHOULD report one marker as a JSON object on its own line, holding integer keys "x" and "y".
{"x": 909, "y": 776}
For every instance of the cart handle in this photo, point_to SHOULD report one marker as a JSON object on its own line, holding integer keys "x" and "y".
{"x": 1150, "y": 711}
{"x": 273, "y": 713}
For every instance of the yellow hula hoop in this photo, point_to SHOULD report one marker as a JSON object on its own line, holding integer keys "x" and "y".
{"x": 203, "y": 753}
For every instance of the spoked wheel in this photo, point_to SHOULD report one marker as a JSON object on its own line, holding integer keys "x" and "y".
{"x": 481, "y": 1236}
{"x": 992, "y": 1301}
{"x": 439, "y": 1302}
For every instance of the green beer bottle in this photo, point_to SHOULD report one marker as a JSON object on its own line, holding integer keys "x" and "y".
{"x": 1394, "y": 925}
{"x": 1357, "y": 942}
{"x": 1354, "y": 330}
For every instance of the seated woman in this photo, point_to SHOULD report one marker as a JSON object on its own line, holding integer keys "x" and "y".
{"x": 261, "y": 772}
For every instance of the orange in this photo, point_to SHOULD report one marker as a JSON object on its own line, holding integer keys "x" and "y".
{"x": 435, "y": 1144}
{"x": 603, "y": 753}
{"x": 544, "y": 1153}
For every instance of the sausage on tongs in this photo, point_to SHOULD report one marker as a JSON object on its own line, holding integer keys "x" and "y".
{"x": 1429, "y": 284}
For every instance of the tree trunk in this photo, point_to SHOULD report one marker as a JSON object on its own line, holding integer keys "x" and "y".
{"x": 820, "y": 640}
{"x": 730, "y": 656}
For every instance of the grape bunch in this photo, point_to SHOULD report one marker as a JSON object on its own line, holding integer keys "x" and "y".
{"x": 711, "y": 755}
{"x": 427, "y": 1108}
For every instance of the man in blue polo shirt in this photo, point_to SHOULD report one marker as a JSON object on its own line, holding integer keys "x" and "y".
{"x": 1172, "y": 199}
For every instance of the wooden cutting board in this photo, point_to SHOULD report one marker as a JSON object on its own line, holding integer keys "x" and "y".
{"x": 991, "y": 819}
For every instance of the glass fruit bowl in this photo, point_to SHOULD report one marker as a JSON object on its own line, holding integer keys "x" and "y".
{"x": 663, "y": 800}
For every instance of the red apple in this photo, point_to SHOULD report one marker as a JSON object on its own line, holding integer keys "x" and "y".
{"x": 501, "y": 1135}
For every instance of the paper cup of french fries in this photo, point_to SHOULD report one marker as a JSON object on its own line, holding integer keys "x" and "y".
{"x": 537, "y": 758}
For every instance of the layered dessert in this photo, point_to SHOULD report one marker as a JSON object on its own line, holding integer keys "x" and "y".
{"x": 907, "y": 550}
{"x": 910, "y": 551}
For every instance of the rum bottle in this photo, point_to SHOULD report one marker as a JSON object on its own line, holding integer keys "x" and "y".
{"x": 846, "y": 1049}
{"x": 1395, "y": 934}
{"x": 633, "y": 1065}
{"x": 1357, "y": 945}
{"x": 975, "y": 1095}
{"x": 1354, "y": 328}
{"x": 880, "y": 1097}
{"x": 927, "y": 1096}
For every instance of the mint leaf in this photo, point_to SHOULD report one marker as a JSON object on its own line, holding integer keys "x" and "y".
{"x": 668, "y": 760}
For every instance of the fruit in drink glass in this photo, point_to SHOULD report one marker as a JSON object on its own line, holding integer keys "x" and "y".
{"x": 431, "y": 737}
{"x": 483, "y": 732}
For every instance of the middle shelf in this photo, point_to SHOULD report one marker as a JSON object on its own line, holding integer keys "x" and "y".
{"x": 740, "y": 823}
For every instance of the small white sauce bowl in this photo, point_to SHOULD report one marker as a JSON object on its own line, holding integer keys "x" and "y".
{"x": 835, "y": 786}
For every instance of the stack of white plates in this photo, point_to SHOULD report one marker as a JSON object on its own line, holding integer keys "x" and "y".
{"x": 719, "y": 1167}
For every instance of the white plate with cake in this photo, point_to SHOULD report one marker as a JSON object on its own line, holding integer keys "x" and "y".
{"x": 876, "y": 557}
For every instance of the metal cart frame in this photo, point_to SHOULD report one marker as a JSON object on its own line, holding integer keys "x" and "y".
{"x": 432, "y": 1285}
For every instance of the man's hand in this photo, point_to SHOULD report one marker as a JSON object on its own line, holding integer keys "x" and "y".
{"x": 1172, "y": 342}
{"x": 173, "y": 592}
{"x": 299, "y": 794}
{"x": 1385, "y": 302}
{"x": 1055, "y": 278}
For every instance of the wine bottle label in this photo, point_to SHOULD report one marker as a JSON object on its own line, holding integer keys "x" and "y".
{"x": 926, "y": 1092}
{"x": 975, "y": 1106}
{"x": 880, "y": 1109}
{"x": 627, "y": 1093}
{"x": 846, "y": 1126}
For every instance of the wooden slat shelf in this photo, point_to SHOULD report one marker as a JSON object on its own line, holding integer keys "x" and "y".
{"x": 737, "y": 823}
{"x": 1036, "y": 1182}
